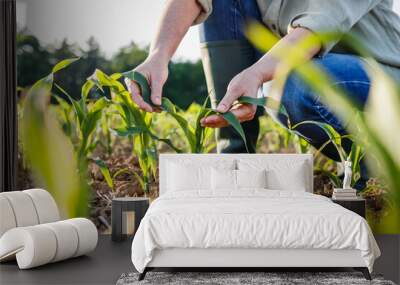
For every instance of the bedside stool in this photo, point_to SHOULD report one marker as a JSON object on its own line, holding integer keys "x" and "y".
{"x": 356, "y": 205}
{"x": 126, "y": 213}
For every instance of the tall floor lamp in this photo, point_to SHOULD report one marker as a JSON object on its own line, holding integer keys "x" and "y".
{"x": 8, "y": 98}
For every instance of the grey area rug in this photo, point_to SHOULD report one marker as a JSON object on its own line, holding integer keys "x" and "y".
{"x": 233, "y": 278}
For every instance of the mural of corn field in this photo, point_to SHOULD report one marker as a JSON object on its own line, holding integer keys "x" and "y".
{"x": 92, "y": 143}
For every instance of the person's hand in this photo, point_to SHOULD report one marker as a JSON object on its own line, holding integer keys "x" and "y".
{"x": 156, "y": 72}
{"x": 245, "y": 83}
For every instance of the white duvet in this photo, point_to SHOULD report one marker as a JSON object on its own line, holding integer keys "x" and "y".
{"x": 250, "y": 219}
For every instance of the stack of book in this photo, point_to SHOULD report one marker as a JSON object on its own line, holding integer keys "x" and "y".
{"x": 344, "y": 194}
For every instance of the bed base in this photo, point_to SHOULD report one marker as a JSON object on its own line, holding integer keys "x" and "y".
{"x": 363, "y": 270}
{"x": 239, "y": 260}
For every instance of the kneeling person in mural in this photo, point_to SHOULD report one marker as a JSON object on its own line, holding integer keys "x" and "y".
{"x": 234, "y": 68}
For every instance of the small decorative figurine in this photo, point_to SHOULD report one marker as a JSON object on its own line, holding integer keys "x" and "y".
{"x": 347, "y": 174}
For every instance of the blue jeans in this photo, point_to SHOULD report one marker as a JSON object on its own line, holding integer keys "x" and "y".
{"x": 226, "y": 23}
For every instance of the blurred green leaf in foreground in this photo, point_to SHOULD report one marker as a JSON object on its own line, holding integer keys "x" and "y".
{"x": 49, "y": 151}
{"x": 375, "y": 127}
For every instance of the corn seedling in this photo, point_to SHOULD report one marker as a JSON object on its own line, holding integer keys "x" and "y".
{"x": 136, "y": 126}
{"x": 105, "y": 172}
{"x": 87, "y": 116}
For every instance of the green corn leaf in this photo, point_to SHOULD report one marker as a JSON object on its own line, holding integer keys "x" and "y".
{"x": 86, "y": 89}
{"x": 151, "y": 154}
{"x": 355, "y": 156}
{"x": 103, "y": 78}
{"x": 50, "y": 153}
{"x": 90, "y": 123}
{"x": 328, "y": 129}
{"x": 62, "y": 104}
{"x": 105, "y": 171}
{"x": 234, "y": 122}
{"x": 78, "y": 109}
{"x": 255, "y": 101}
{"x": 170, "y": 108}
{"x": 100, "y": 104}
{"x": 140, "y": 180}
{"x": 332, "y": 177}
{"x": 143, "y": 85}
{"x": 130, "y": 131}
{"x": 199, "y": 130}
{"x": 66, "y": 109}
{"x": 124, "y": 111}
{"x": 100, "y": 79}
{"x": 116, "y": 76}
{"x": 63, "y": 64}
{"x": 333, "y": 135}
{"x": 121, "y": 171}
{"x": 167, "y": 142}
{"x": 266, "y": 102}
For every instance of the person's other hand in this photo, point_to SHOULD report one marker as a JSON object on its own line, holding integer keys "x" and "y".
{"x": 156, "y": 72}
{"x": 245, "y": 83}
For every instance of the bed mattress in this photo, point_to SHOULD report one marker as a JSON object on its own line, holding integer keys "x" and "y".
{"x": 250, "y": 219}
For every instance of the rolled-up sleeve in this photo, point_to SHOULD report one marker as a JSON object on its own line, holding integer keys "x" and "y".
{"x": 324, "y": 16}
{"x": 206, "y": 6}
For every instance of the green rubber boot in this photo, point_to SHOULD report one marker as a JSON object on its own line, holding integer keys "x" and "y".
{"x": 222, "y": 60}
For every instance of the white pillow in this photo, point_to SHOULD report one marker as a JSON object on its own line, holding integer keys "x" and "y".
{"x": 187, "y": 174}
{"x": 282, "y": 174}
{"x": 293, "y": 180}
{"x": 251, "y": 178}
{"x": 182, "y": 177}
{"x": 223, "y": 179}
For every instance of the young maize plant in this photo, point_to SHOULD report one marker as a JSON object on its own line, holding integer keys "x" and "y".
{"x": 87, "y": 114}
{"x": 65, "y": 110}
{"x": 136, "y": 125}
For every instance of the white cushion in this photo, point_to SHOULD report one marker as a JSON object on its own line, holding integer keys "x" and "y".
{"x": 7, "y": 220}
{"x": 251, "y": 178}
{"x": 282, "y": 174}
{"x": 223, "y": 179}
{"x": 40, "y": 244}
{"x": 23, "y": 208}
{"x": 26, "y": 208}
{"x": 67, "y": 240}
{"x": 46, "y": 207}
{"x": 183, "y": 177}
{"x": 87, "y": 235}
{"x": 292, "y": 181}
{"x": 193, "y": 175}
{"x": 34, "y": 244}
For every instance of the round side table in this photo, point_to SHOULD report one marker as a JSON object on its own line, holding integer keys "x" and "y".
{"x": 122, "y": 211}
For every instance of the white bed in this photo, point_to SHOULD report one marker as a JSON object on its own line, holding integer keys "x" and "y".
{"x": 248, "y": 227}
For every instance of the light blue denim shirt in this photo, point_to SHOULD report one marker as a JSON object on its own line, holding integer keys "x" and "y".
{"x": 373, "y": 21}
